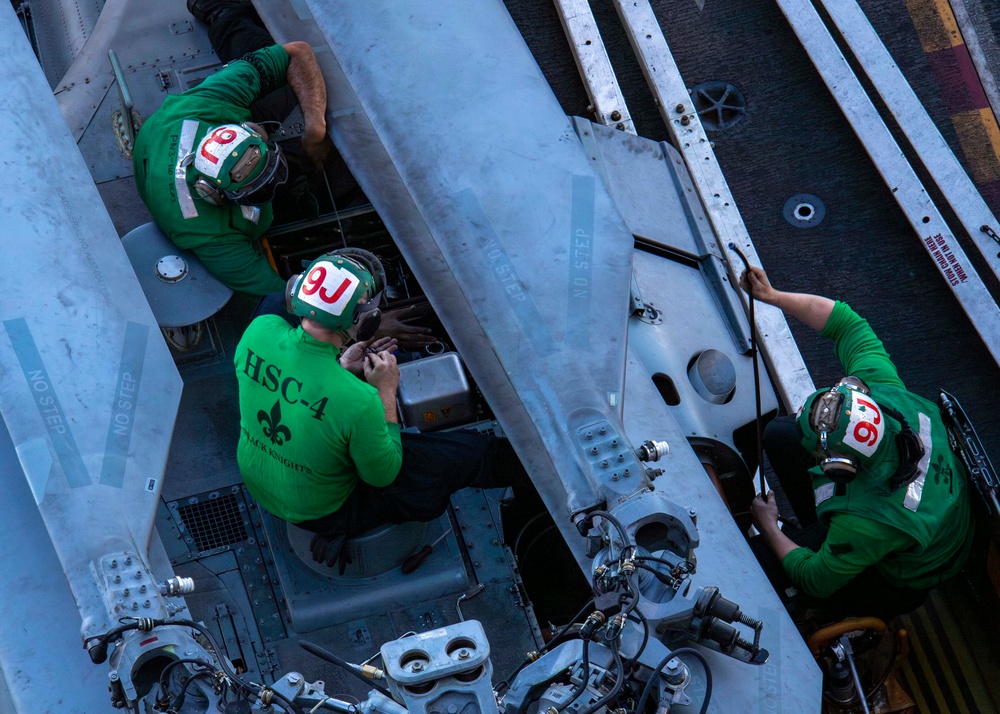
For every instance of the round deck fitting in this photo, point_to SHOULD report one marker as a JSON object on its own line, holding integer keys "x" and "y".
{"x": 803, "y": 210}
{"x": 171, "y": 269}
{"x": 719, "y": 104}
{"x": 178, "y": 287}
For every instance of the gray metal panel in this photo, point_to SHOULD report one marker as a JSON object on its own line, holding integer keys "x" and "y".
{"x": 688, "y": 328}
{"x": 688, "y": 135}
{"x": 41, "y": 625}
{"x": 89, "y": 392}
{"x": 61, "y": 29}
{"x": 643, "y": 180}
{"x": 498, "y": 265}
{"x": 41, "y": 661}
{"x": 169, "y": 36}
{"x": 195, "y": 297}
{"x": 790, "y": 681}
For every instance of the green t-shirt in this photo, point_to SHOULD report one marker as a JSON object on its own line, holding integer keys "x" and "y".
{"x": 917, "y": 546}
{"x": 223, "y": 237}
{"x": 309, "y": 429}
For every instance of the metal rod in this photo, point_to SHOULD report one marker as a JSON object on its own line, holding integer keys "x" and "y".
{"x": 854, "y": 673}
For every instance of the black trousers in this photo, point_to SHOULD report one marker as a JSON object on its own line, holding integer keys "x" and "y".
{"x": 234, "y": 33}
{"x": 434, "y": 467}
{"x": 868, "y": 593}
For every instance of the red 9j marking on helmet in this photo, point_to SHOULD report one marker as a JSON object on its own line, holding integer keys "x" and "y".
{"x": 314, "y": 281}
{"x": 867, "y": 432}
{"x": 222, "y": 135}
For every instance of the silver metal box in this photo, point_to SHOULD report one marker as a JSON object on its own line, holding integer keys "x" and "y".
{"x": 434, "y": 393}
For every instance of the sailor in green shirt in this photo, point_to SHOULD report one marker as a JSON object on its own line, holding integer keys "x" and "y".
{"x": 881, "y": 499}
{"x": 320, "y": 443}
{"x": 206, "y": 171}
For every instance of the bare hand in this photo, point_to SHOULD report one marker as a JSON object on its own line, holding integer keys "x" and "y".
{"x": 765, "y": 512}
{"x": 395, "y": 323}
{"x": 382, "y": 372}
{"x": 754, "y": 281}
{"x": 353, "y": 358}
{"x": 317, "y": 149}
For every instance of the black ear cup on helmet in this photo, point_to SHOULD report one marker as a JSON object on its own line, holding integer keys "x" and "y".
{"x": 209, "y": 193}
{"x": 290, "y": 285}
{"x": 839, "y": 469}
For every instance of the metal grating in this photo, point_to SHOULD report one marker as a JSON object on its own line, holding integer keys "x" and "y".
{"x": 214, "y": 522}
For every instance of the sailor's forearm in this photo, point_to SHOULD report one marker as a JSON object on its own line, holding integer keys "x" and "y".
{"x": 388, "y": 398}
{"x": 780, "y": 544}
{"x": 306, "y": 80}
{"x": 813, "y": 310}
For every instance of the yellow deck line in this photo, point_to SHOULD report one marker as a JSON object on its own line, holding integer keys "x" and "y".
{"x": 979, "y": 138}
{"x": 936, "y": 26}
{"x": 965, "y": 659}
{"x": 947, "y": 665}
{"x": 917, "y": 637}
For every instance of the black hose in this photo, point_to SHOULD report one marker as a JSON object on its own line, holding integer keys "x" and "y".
{"x": 637, "y": 616}
{"x": 288, "y": 705}
{"x": 334, "y": 659}
{"x": 659, "y": 668}
{"x": 179, "y": 699}
{"x": 578, "y": 690}
{"x": 504, "y": 683}
{"x": 98, "y": 653}
{"x": 756, "y": 371}
{"x": 633, "y": 588}
{"x": 165, "y": 673}
{"x": 626, "y": 541}
{"x": 565, "y": 629}
{"x": 619, "y": 681}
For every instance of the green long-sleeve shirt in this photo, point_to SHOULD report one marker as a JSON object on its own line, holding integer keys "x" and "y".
{"x": 913, "y": 544}
{"x": 309, "y": 429}
{"x": 223, "y": 237}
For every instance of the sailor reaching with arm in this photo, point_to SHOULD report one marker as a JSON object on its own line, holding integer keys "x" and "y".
{"x": 881, "y": 500}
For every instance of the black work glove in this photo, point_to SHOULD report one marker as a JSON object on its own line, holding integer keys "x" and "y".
{"x": 329, "y": 549}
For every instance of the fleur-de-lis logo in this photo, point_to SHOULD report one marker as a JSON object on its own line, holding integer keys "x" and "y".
{"x": 943, "y": 472}
{"x": 273, "y": 428}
